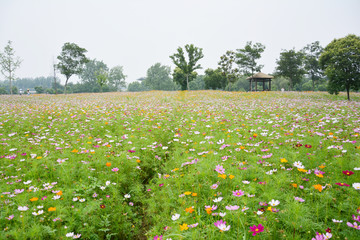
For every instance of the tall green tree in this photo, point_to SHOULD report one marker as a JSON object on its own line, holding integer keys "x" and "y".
{"x": 158, "y": 78}
{"x": 290, "y": 65}
{"x": 89, "y": 74}
{"x": 226, "y": 66}
{"x": 71, "y": 60}
{"x": 312, "y": 54}
{"x": 189, "y": 65}
{"x": 214, "y": 79}
{"x": 102, "y": 76}
{"x": 246, "y": 58}
{"x": 117, "y": 77}
{"x": 9, "y": 63}
{"x": 341, "y": 63}
{"x": 183, "y": 79}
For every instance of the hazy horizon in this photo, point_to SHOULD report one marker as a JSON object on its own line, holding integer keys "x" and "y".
{"x": 137, "y": 34}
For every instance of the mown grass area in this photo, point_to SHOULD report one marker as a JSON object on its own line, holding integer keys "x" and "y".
{"x": 180, "y": 165}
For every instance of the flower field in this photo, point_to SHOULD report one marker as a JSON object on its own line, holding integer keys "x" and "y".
{"x": 180, "y": 165}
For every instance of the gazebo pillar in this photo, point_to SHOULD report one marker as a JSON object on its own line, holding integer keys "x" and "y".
{"x": 255, "y": 85}
{"x": 250, "y": 85}
{"x": 263, "y": 85}
{"x": 270, "y": 85}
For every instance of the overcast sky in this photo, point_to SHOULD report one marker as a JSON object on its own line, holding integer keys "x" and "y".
{"x": 136, "y": 34}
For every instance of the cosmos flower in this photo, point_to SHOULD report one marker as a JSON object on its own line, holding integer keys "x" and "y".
{"x": 238, "y": 193}
{"x": 256, "y": 229}
{"x": 175, "y": 217}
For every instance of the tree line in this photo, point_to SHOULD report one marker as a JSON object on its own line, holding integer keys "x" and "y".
{"x": 333, "y": 68}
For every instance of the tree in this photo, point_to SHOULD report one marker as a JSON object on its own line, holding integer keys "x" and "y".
{"x": 341, "y": 63}
{"x": 158, "y": 78}
{"x": 290, "y": 65}
{"x": 137, "y": 87}
{"x": 214, "y": 79}
{"x": 190, "y": 65}
{"x": 117, "y": 77}
{"x": 102, "y": 77}
{"x": 247, "y": 56}
{"x": 39, "y": 89}
{"x": 89, "y": 74}
{"x": 226, "y": 66}
{"x": 72, "y": 59}
{"x": 312, "y": 54}
{"x": 9, "y": 63}
{"x": 182, "y": 79}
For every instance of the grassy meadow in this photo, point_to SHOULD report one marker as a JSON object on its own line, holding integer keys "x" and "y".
{"x": 180, "y": 165}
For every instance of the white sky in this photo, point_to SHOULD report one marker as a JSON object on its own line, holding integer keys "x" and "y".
{"x": 138, "y": 33}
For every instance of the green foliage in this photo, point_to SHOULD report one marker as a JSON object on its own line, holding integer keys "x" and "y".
{"x": 226, "y": 66}
{"x": 39, "y": 89}
{"x": 92, "y": 68}
{"x": 341, "y": 62}
{"x": 71, "y": 60}
{"x": 279, "y": 82}
{"x": 214, "y": 79}
{"x": 137, "y": 87}
{"x": 182, "y": 79}
{"x": 9, "y": 63}
{"x": 290, "y": 65}
{"x": 246, "y": 58}
{"x": 101, "y": 77}
{"x": 187, "y": 65}
{"x": 3, "y": 90}
{"x": 158, "y": 78}
{"x": 197, "y": 84}
{"x": 312, "y": 54}
{"x": 117, "y": 77}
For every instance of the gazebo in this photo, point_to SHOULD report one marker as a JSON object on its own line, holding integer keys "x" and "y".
{"x": 260, "y": 77}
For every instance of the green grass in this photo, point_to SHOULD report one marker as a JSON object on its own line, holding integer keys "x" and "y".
{"x": 166, "y": 147}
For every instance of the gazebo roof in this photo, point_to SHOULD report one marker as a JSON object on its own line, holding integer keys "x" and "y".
{"x": 260, "y": 75}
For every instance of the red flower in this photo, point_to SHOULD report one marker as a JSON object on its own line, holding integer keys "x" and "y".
{"x": 308, "y": 146}
{"x": 102, "y": 206}
{"x": 348, "y": 173}
{"x": 328, "y": 230}
{"x": 342, "y": 184}
{"x": 298, "y": 145}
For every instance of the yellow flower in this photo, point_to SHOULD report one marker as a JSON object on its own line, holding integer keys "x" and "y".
{"x": 222, "y": 176}
{"x": 269, "y": 209}
{"x": 187, "y": 193}
{"x": 34, "y": 199}
{"x": 231, "y": 176}
{"x": 39, "y": 157}
{"x": 283, "y": 160}
{"x": 184, "y": 227}
{"x": 138, "y": 161}
{"x": 302, "y": 170}
{"x": 52, "y": 209}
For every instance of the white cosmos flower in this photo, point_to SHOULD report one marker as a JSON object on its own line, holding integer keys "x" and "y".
{"x": 259, "y": 212}
{"x": 218, "y": 199}
{"x": 24, "y": 208}
{"x": 40, "y": 207}
{"x": 102, "y": 188}
{"x": 223, "y": 227}
{"x": 127, "y": 196}
{"x": 107, "y": 183}
{"x": 356, "y": 186}
{"x": 175, "y": 217}
{"x": 27, "y": 182}
{"x": 274, "y": 203}
{"x": 75, "y": 199}
{"x": 82, "y": 200}
{"x": 56, "y": 197}
{"x": 298, "y": 164}
{"x": 70, "y": 234}
{"x": 222, "y": 214}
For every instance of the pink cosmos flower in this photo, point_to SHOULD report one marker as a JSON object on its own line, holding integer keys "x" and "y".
{"x": 256, "y": 229}
{"x": 238, "y": 193}
{"x": 232, "y": 208}
{"x": 220, "y": 169}
{"x": 355, "y": 225}
{"x": 214, "y": 186}
{"x": 115, "y": 169}
{"x": 158, "y": 237}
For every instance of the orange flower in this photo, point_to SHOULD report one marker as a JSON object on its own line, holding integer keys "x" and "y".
{"x": 294, "y": 185}
{"x": 302, "y": 170}
{"x": 319, "y": 175}
{"x": 318, "y": 187}
{"x": 59, "y": 193}
{"x": 322, "y": 166}
{"x": 108, "y": 164}
{"x": 138, "y": 161}
{"x": 52, "y": 209}
{"x": 34, "y": 199}
{"x": 231, "y": 176}
{"x": 222, "y": 176}
{"x": 189, "y": 210}
{"x": 75, "y": 150}
{"x": 208, "y": 210}
{"x": 194, "y": 194}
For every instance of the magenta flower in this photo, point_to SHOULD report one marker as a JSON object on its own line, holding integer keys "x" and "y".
{"x": 220, "y": 169}
{"x": 355, "y": 225}
{"x": 217, "y": 223}
{"x": 132, "y": 151}
{"x": 348, "y": 173}
{"x": 356, "y": 218}
{"x": 158, "y": 237}
{"x": 115, "y": 169}
{"x": 238, "y": 193}
{"x": 256, "y": 229}
{"x": 160, "y": 185}
{"x": 343, "y": 184}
